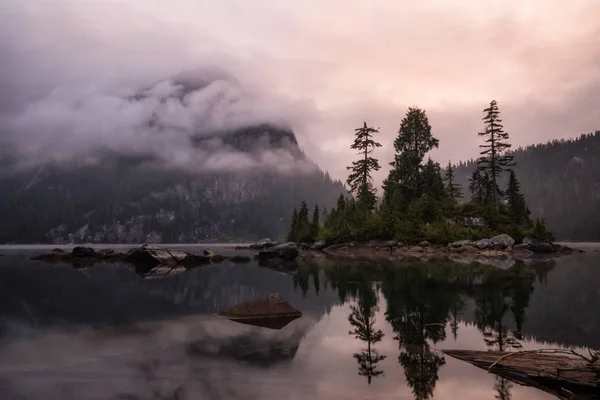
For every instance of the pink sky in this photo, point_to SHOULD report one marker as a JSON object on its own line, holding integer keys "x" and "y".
{"x": 336, "y": 62}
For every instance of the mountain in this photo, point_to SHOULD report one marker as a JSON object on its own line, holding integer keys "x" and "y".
{"x": 561, "y": 183}
{"x": 179, "y": 183}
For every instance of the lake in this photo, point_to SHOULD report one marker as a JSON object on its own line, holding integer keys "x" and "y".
{"x": 369, "y": 330}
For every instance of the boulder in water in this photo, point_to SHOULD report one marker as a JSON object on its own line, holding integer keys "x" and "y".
{"x": 83, "y": 252}
{"x": 152, "y": 256}
{"x": 286, "y": 251}
{"x": 271, "y": 311}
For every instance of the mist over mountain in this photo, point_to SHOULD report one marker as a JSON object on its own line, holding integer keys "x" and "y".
{"x": 188, "y": 159}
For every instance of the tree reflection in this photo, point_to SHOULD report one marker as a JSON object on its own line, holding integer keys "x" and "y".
{"x": 502, "y": 387}
{"x": 418, "y": 309}
{"x": 362, "y": 318}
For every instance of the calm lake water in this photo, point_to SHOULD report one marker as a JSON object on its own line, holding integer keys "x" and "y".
{"x": 368, "y": 330}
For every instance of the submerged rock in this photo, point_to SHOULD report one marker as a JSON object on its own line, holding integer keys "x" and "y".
{"x": 271, "y": 311}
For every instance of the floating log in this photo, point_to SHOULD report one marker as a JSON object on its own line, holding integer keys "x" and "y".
{"x": 556, "y": 372}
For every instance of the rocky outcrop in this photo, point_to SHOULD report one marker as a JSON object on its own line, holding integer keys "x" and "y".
{"x": 286, "y": 251}
{"x": 271, "y": 311}
{"x": 502, "y": 242}
{"x": 318, "y": 246}
{"x": 145, "y": 258}
{"x": 263, "y": 244}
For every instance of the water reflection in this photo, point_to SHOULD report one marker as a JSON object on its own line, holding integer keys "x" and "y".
{"x": 362, "y": 319}
{"x": 384, "y": 321}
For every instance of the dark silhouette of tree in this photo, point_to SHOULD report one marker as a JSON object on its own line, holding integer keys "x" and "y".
{"x": 418, "y": 310}
{"x": 493, "y": 158}
{"x": 432, "y": 181}
{"x": 315, "y": 222}
{"x": 457, "y": 306}
{"x": 294, "y": 227}
{"x": 362, "y": 318}
{"x": 360, "y": 179}
{"x": 517, "y": 207}
{"x": 453, "y": 189}
{"x": 477, "y": 187}
{"x": 414, "y": 141}
{"x": 502, "y": 387}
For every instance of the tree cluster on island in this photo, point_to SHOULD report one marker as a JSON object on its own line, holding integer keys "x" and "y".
{"x": 422, "y": 201}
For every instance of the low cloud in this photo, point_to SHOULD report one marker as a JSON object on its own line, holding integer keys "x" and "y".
{"x": 70, "y": 67}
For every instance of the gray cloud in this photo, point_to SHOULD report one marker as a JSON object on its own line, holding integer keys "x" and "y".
{"x": 69, "y": 66}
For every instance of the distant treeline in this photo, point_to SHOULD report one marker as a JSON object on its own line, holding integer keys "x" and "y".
{"x": 561, "y": 183}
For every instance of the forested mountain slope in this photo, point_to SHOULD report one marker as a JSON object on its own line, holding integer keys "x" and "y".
{"x": 188, "y": 172}
{"x": 561, "y": 183}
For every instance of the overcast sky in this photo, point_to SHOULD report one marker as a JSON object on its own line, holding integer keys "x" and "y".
{"x": 322, "y": 66}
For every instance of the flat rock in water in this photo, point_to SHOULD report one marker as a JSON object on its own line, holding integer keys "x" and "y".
{"x": 263, "y": 312}
{"x": 152, "y": 256}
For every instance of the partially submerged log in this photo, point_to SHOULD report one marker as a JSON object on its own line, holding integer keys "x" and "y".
{"x": 271, "y": 311}
{"x": 554, "y": 371}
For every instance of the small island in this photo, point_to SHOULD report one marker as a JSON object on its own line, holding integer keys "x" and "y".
{"x": 422, "y": 205}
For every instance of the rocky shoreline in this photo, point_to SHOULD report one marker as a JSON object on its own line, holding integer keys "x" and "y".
{"x": 500, "y": 245}
{"x": 149, "y": 260}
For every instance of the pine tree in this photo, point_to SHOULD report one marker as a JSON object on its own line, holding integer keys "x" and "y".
{"x": 476, "y": 187}
{"x": 303, "y": 227}
{"x": 516, "y": 201}
{"x": 453, "y": 189}
{"x": 294, "y": 228}
{"x": 413, "y": 142}
{"x": 360, "y": 178}
{"x": 315, "y": 222}
{"x": 493, "y": 159}
{"x": 431, "y": 180}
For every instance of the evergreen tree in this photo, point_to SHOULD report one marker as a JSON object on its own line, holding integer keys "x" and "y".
{"x": 315, "y": 222}
{"x": 294, "y": 229}
{"x": 360, "y": 178}
{"x": 303, "y": 226}
{"x": 414, "y": 141}
{"x": 517, "y": 206}
{"x": 452, "y": 188}
{"x": 493, "y": 159}
{"x": 431, "y": 180}
{"x": 476, "y": 187}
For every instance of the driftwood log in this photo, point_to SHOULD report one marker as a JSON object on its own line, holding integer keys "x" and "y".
{"x": 567, "y": 376}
